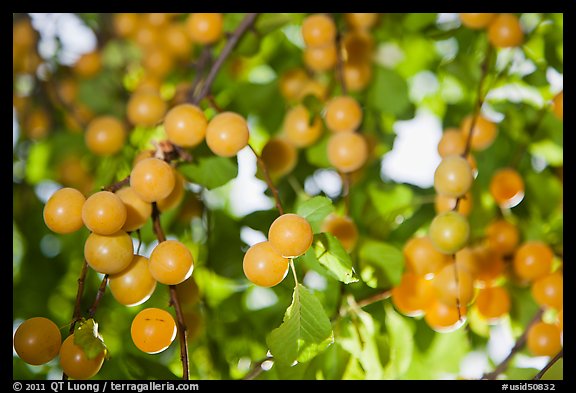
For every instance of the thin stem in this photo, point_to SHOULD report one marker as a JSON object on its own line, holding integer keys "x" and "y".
{"x": 269, "y": 181}
{"x": 204, "y": 59}
{"x": 182, "y": 331}
{"x": 99, "y": 296}
{"x": 346, "y": 192}
{"x": 77, "y": 313}
{"x": 385, "y": 294}
{"x": 118, "y": 185}
{"x": 457, "y": 280}
{"x": 550, "y": 363}
{"x": 479, "y": 99}
{"x": 233, "y": 39}
{"x": 517, "y": 346}
{"x": 139, "y": 241}
{"x": 156, "y": 225}
{"x": 295, "y": 276}
{"x": 214, "y": 104}
{"x": 340, "y": 65}
{"x": 77, "y": 304}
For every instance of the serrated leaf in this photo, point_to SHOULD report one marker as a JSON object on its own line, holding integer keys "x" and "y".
{"x": 305, "y": 331}
{"x": 315, "y": 211}
{"x": 87, "y": 337}
{"x": 210, "y": 172}
{"x": 327, "y": 250}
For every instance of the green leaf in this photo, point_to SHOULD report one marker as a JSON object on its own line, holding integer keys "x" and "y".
{"x": 327, "y": 250}
{"x": 315, "y": 211}
{"x": 387, "y": 258}
{"x": 210, "y": 172}
{"x": 37, "y": 165}
{"x": 87, "y": 337}
{"x": 391, "y": 202}
{"x": 401, "y": 343}
{"x": 317, "y": 154}
{"x": 267, "y": 23}
{"x": 305, "y": 331}
{"x": 441, "y": 356}
{"x": 388, "y": 92}
{"x": 360, "y": 336}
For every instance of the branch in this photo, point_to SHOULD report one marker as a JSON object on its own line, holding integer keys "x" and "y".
{"x": 156, "y": 226}
{"x": 477, "y": 106}
{"x": 557, "y": 357}
{"x": 340, "y": 65}
{"x": 118, "y": 185}
{"x": 204, "y": 59}
{"x": 77, "y": 314}
{"x": 517, "y": 347}
{"x": 99, "y": 296}
{"x": 174, "y": 301}
{"x": 182, "y": 331}
{"x": 269, "y": 181}
{"x": 233, "y": 39}
{"x": 479, "y": 98}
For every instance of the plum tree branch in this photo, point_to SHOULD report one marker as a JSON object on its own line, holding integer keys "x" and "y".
{"x": 269, "y": 181}
{"x": 99, "y": 296}
{"x": 174, "y": 301}
{"x": 517, "y": 347}
{"x": 480, "y": 95}
{"x": 233, "y": 39}
{"x": 550, "y": 363}
{"x": 77, "y": 313}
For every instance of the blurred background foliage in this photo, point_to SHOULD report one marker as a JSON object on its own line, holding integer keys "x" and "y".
{"x": 422, "y": 66}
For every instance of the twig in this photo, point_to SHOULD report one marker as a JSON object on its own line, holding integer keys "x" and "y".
{"x": 517, "y": 346}
{"x": 340, "y": 65}
{"x": 77, "y": 313}
{"x": 233, "y": 39}
{"x": 99, "y": 296}
{"x": 269, "y": 181}
{"x": 346, "y": 191}
{"x": 385, "y": 294}
{"x": 77, "y": 303}
{"x": 156, "y": 226}
{"x": 182, "y": 331}
{"x": 550, "y": 363}
{"x": 204, "y": 59}
{"x": 118, "y": 185}
{"x": 479, "y": 99}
